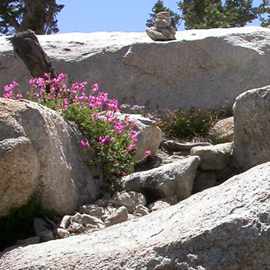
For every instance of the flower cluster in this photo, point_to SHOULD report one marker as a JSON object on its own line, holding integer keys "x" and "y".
{"x": 137, "y": 109}
{"x": 134, "y": 108}
{"x": 12, "y": 91}
{"x": 96, "y": 116}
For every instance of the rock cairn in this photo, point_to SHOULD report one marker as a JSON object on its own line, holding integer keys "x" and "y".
{"x": 162, "y": 31}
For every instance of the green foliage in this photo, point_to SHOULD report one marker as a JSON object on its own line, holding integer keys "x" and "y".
{"x": 240, "y": 12}
{"x": 112, "y": 136}
{"x": 263, "y": 10}
{"x": 159, "y": 7}
{"x": 215, "y": 138}
{"x": 187, "y": 126}
{"x": 179, "y": 125}
{"x": 36, "y": 15}
{"x": 19, "y": 223}
{"x": 110, "y": 156}
{"x": 206, "y": 14}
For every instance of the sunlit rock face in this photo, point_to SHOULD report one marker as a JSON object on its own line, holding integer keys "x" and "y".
{"x": 225, "y": 227}
{"x": 204, "y": 69}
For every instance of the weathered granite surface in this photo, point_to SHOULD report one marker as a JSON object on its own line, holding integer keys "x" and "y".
{"x": 225, "y": 227}
{"x": 203, "y": 68}
{"x": 251, "y": 128}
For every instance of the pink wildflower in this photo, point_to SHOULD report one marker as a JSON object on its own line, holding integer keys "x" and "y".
{"x": 103, "y": 97}
{"x": 84, "y": 144}
{"x": 135, "y": 107}
{"x": 7, "y": 88}
{"x": 14, "y": 84}
{"x": 118, "y": 126}
{"x": 64, "y": 88}
{"x": 82, "y": 85}
{"x": 134, "y": 136}
{"x": 11, "y": 86}
{"x": 52, "y": 89}
{"x": 8, "y": 95}
{"x": 148, "y": 153}
{"x": 59, "y": 94}
{"x": 75, "y": 88}
{"x": 36, "y": 95}
{"x": 124, "y": 106}
{"x": 40, "y": 82}
{"x": 18, "y": 96}
{"x": 98, "y": 104}
{"x": 133, "y": 123}
{"x": 81, "y": 98}
{"x": 109, "y": 117}
{"x": 55, "y": 80}
{"x": 65, "y": 103}
{"x": 96, "y": 115}
{"x": 61, "y": 76}
{"x": 11, "y": 91}
{"x": 127, "y": 118}
{"x": 42, "y": 92}
{"x": 47, "y": 82}
{"x": 92, "y": 99}
{"x": 95, "y": 87}
{"x": 75, "y": 99}
{"x": 130, "y": 147}
{"x": 103, "y": 140}
{"x": 113, "y": 105}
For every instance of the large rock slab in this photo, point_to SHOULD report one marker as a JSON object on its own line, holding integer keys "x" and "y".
{"x": 204, "y": 69}
{"x": 225, "y": 227}
{"x": 19, "y": 168}
{"x": 173, "y": 181}
{"x": 223, "y": 130}
{"x": 149, "y": 136}
{"x": 213, "y": 157}
{"x": 251, "y": 128}
{"x": 41, "y": 157}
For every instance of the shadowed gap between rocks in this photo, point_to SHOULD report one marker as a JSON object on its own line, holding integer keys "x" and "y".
{"x": 152, "y": 195}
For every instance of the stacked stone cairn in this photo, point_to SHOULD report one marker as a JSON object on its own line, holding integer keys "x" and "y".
{"x": 162, "y": 29}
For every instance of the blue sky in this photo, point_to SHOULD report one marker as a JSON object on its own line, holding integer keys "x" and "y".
{"x": 110, "y": 15}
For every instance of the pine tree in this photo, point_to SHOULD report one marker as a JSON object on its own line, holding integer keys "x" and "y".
{"x": 215, "y": 13}
{"x": 36, "y": 15}
{"x": 159, "y": 7}
{"x": 240, "y": 12}
{"x": 263, "y": 10}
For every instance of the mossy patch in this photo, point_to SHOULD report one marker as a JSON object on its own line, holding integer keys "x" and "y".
{"x": 19, "y": 223}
